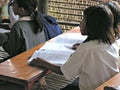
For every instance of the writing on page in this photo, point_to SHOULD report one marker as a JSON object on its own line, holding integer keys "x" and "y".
{"x": 59, "y": 50}
{"x": 53, "y": 52}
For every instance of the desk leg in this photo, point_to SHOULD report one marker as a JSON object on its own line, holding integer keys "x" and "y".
{"x": 30, "y": 85}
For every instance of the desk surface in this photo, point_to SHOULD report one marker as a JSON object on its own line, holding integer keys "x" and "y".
{"x": 114, "y": 81}
{"x": 16, "y": 69}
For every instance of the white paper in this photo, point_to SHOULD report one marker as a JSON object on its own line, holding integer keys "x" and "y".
{"x": 52, "y": 57}
{"x": 4, "y": 30}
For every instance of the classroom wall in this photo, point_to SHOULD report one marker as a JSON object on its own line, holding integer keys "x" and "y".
{"x": 70, "y": 12}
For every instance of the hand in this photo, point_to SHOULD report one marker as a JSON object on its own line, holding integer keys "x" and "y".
{"x": 74, "y": 47}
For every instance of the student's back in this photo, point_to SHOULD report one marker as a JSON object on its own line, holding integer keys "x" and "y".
{"x": 96, "y": 59}
{"x": 27, "y": 32}
{"x": 25, "y": 38}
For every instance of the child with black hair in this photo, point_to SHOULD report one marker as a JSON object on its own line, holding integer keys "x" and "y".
{"x": 115, "y": 8}
{"x": 27, "y": 32}
{"x": 95, "y": 60}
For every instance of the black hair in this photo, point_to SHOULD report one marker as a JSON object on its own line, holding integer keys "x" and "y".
{"x": 99, "y": 24}
{"x": 10, "y": 2}
{"x": 31, "y": 6}
{"x": 115, "y": 8}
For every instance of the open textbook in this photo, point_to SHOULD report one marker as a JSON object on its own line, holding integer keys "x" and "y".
{"x": 59, "y": 50}
{"x": 70, "y": 39}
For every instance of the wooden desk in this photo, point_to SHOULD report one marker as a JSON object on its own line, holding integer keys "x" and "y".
{"x": 16, "y": 69}
{"x": 114, "y": 81}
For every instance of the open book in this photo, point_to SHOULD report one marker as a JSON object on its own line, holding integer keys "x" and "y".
{"x": 69, "y": 39}
{"x": 59, "y": 50}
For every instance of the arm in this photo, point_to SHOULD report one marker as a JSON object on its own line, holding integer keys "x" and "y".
{"x": 14, "y": 44}
{"x": 75, "y": 46}
{"x": 42, "y": 63}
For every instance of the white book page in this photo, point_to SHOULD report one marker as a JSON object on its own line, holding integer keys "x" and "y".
{"x": 53, "y": 52}
{"x": 58, "y": 47}
{"x": 59, "y": 50}
{"x": 69, "y": 39}
{"x": 51, "y": 57}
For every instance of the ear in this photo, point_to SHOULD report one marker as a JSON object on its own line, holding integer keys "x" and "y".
{"x": 22, "y": 10}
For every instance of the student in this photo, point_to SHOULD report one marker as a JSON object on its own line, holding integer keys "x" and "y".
{"x": 4, "y": 16}
{"x": 27, "y": 32}
{"x": 115, "y": 8}
{"x": 4, "y": 10}
{"x": 96, "y": 60}
{"x": 12, "y": 17}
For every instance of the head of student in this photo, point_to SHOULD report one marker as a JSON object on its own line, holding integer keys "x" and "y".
{"x": 115, "y": 8}
{"x": 25, "y": 8}
{"x": 98, "y": 24}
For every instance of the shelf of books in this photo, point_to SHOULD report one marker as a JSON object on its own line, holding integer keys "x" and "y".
{"x": 69, "y": 13}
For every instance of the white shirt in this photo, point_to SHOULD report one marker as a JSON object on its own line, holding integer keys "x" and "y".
{"x": 13, "y": 17}
{"x": 94, "y": 63}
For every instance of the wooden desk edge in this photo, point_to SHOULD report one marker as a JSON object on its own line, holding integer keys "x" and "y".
{"x": 114, "y": 81}
{"x": 20, "y": 80}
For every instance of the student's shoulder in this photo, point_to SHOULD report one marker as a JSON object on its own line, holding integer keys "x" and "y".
{"x": 21, "y": 24}
{"x": 93, "y": 44}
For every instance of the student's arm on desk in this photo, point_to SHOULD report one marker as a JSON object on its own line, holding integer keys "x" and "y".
{"x": 43, "y": 63}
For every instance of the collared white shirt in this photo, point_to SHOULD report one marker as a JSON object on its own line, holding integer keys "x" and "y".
{"x": 93, "y": 62}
